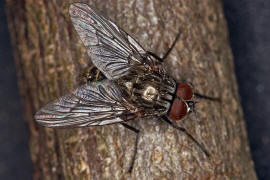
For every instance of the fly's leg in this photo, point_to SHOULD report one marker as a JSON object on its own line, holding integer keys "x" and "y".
{"x": 207, "y": 97}
{"x": 165, "y": 119}
{"x": 155, "y": 56}
{"x": 136, "y": 144}
{"x": 169, "y": 50}
{"x": 172, "y": 46}
{"x": 198, "y": 95}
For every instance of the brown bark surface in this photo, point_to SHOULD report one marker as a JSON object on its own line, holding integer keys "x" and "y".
{"x": 50, "y": 58}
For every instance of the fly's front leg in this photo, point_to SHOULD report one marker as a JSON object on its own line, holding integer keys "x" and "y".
{"x": 165, "y": 119}
{"x": 135, "y": 146}
{"x": 198, "y": 95}
{"x": 161, "y": 59}
{"x": 186, "y": 88}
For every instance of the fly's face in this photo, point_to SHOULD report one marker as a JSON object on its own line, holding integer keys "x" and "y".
{"x": 182, "y": 103}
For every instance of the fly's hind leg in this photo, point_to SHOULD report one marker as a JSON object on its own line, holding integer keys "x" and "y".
{"x": 165, "y": 119}
{"x": 135, "y": 146}
{"x": 161, "y": 59}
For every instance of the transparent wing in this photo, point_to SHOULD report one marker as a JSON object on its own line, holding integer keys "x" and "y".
{"x": 92, "y": 104}
{"x": 111, "y": 49}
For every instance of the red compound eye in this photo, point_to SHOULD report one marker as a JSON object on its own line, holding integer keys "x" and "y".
{"x": 178, "y": 110}
{"x": 184, "y": 91}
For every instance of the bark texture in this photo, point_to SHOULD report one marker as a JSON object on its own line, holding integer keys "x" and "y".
{"x": 50, "y": 59}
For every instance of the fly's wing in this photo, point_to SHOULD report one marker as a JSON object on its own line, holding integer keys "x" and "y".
{"x": 92, "y": 104}
{"x": 111, "y": 49}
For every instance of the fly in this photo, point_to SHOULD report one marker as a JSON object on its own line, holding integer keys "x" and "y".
{"x": 136, "y": 84}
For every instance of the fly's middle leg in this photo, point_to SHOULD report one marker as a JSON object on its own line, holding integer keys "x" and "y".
{"x": 135, "y": 146}
{"x": 165, "y": 119}
{"x": 161, "y": 59}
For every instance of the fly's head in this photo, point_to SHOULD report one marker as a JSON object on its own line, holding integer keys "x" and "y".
{"x": 182, "y": 103}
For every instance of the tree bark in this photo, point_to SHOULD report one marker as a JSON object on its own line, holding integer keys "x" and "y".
{"x": 50, "y": 59}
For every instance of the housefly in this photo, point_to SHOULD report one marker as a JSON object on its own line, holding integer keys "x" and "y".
{"x": 136, "y": 84}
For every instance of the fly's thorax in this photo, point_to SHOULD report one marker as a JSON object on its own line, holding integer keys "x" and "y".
{"x": 153, "y": 91}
